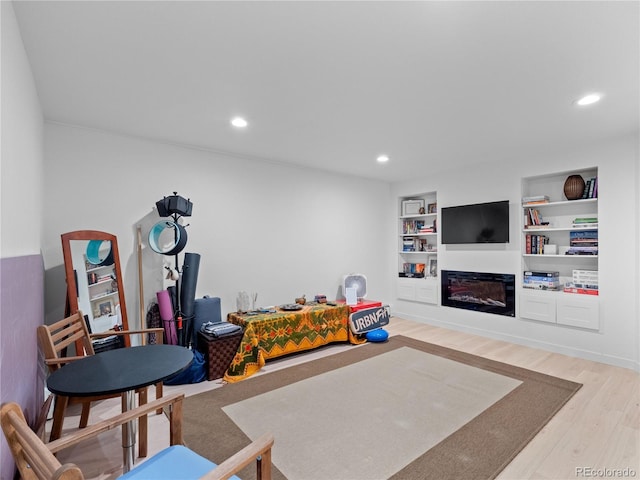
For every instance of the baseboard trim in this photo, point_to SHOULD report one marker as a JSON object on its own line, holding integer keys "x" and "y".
{"x": 528, "y": 342}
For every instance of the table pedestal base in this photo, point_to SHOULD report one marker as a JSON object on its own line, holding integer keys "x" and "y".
{"x": 128, "y": 433}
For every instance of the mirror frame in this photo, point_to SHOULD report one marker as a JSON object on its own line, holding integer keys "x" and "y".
{"x": 72, "y": 298}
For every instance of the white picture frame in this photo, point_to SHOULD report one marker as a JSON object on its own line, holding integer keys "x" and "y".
{"x": 412, "y": 207}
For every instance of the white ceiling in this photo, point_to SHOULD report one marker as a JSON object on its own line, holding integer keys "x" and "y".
{"x": 331, "y": 85}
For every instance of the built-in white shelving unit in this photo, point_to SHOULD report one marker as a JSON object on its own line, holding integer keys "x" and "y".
{"x": 418, "y": 248}
{"x": 551, "y": 242}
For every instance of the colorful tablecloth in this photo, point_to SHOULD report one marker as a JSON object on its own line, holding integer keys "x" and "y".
{"x": 271, "y": 335}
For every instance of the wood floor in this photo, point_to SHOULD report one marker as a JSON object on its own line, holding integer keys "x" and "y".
{"x": 595, "y": 435}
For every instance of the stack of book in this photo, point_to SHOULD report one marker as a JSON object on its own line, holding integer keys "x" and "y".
{"x": 590, "y": 188}
{"x": 585, "y": 222}
{"x": 535, "y": 200}
{"x": 583, "y": 242}
{"x": 541, "y": 280}
{"x": 584, "y": 282}
{"x": 535, "y": 243}
{"x": 415, "y": 270}
{"x": 408, "y": 244}
{"x": 427, "y": 229}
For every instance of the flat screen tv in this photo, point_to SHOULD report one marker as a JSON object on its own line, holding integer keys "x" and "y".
{"x": 477, "y": 223}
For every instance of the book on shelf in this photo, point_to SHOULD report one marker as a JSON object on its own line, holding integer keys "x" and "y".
{"x": 535, "y": 244}
{"x": 535, "y": 200}
{"x": 583, "y": 239}
{"x": 585, "y": 273}
{"x": 554, "y": 287}
{"x": 584, "y": 234}
{"x": 582, "y": 251}
{"x": 413, "y": 267}
{"x": 543, "y": 225}
{"x": 412, "y": 270}
{"x": 408, "y": 244}
{"x": 590, "y": 188}
{"x": 541, "y": 273}
{"x": 412, "y": 226}
{"x": 541, "y": 280}
{"x": 571, "y": 287}
{"x": 532, "y": 217}
{"x": 585, "y": 220}
{"x": 584, "y": 225}
{"x": 585, "y": 277}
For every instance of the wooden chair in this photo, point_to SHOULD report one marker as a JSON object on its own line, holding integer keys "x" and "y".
{"x": 36, "y": 460}
{"x": 54, "y": 340}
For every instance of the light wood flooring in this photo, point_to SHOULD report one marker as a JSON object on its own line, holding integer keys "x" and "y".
{"x": 595, "y": 435}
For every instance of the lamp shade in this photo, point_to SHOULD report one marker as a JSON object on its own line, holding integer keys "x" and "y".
{"x": 174, "y": 204}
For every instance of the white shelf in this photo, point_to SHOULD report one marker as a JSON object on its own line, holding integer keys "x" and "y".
{"x": 101, "y": 282}
{"x": 99, "y": 297}
{"x": 558, "y": 229}
{"x": 418, "y": 216}
{"x": 433, "y": 252}
{"x": 562, "y": 203}
{"x": 568, "y": 257}
{"x": 89, "y": 270}
{"x": 431, "y": 234}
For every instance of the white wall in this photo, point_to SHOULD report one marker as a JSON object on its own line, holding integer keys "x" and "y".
{"x": 21, "y": 282}
{"x": 261, "y": 227}
{"x": 22, "y": 155}
{"x": 618, "y": 212}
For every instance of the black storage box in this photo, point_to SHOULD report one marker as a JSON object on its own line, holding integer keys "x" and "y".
{"x": 218, "y": 352}
{"x": 108, "y": 343}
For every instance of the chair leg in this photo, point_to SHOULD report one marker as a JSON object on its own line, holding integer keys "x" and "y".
{"x": 41, "y": 421}
{"x": 84, "y": 416}
{"x": 159, "y": 395}
{"x": 60, "y": 406}
{"x": 142, "y": 424}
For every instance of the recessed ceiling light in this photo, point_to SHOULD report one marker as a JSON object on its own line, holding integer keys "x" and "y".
{"x": 239, "y": 122}
{"x": 588, "y": 99}
{"x": 383, "y": 158}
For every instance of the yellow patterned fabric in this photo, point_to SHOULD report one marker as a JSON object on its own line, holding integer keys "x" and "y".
{"x": 271, "y": 335}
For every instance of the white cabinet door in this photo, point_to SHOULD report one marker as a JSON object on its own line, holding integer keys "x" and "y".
{"x": 579, "y": 311}
{"x": 538, "y": 307}
{"x": 423, "y": 290}
{"x": 406, "y": 289}
{"x": 427, "y": 291}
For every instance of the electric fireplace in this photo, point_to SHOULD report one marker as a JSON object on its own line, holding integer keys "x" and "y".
{"x": 482, "y": 292}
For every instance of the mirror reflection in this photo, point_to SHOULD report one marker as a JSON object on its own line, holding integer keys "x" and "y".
{"x": 94, "y": 283}
{"x": 97, "y": 283}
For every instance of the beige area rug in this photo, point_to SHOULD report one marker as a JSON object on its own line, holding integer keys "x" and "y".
{"x": 403, "y": 409}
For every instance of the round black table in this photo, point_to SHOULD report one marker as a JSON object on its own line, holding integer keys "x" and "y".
{"x": 122, "y": 370}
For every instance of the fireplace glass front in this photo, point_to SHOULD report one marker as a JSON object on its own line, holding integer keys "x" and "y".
{"x": 479, "y": 291}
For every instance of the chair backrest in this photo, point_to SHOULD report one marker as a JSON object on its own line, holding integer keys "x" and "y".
{"x": 54, "y": 339}
{"x": 32, "y": 457}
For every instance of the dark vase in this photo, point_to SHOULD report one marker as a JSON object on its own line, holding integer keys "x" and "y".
{"x": 573, "y": 187}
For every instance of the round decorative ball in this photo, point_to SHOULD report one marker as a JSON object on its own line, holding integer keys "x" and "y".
{"x": 573, "y": 187}
{"x": 379, "y": 335}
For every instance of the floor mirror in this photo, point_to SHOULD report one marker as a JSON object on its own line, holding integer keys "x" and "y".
{"x": 94, "y": 280}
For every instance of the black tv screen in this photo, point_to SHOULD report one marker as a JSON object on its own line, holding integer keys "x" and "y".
{"x": 478, "y": 223}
